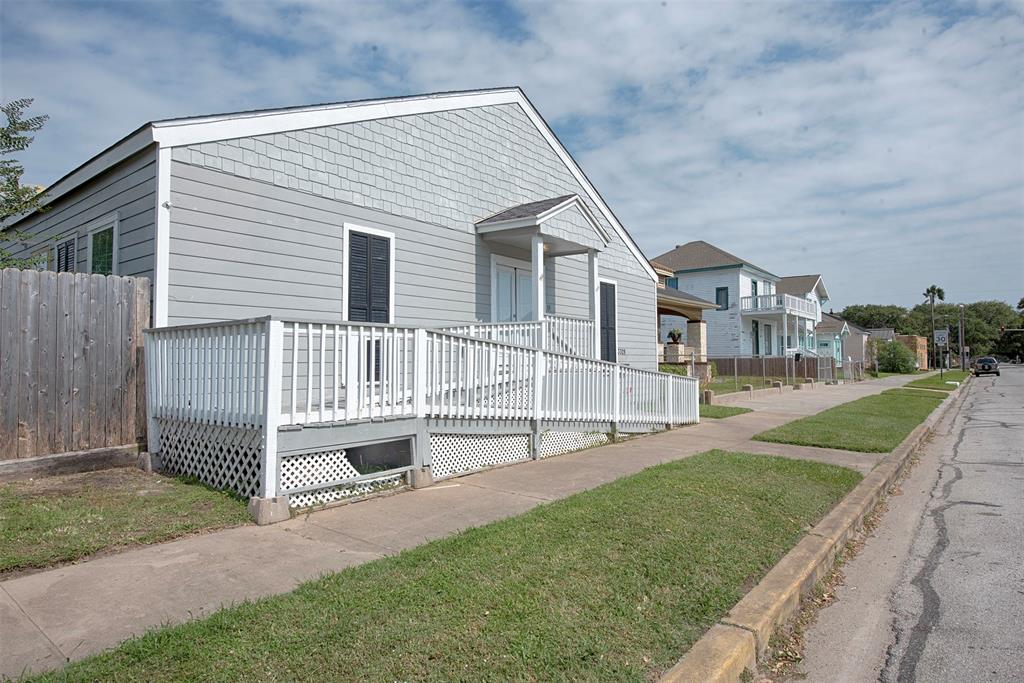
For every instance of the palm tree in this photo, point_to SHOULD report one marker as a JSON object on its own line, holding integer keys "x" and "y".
{"x": 931, "y": 294}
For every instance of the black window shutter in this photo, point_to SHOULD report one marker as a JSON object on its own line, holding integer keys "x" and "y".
{"x": 380, "y": 280}
{"x": 358, "y": 277}
{"x": 369, "y": 278}
{"x": 609, "y": 350}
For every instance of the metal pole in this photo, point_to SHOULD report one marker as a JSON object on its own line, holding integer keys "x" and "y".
{"x": 735, "y": 373}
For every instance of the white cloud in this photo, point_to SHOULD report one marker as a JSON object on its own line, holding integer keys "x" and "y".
{"x": 884, "y": 147}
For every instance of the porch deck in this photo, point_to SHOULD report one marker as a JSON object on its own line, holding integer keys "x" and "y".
{"x": 225, "y": 400}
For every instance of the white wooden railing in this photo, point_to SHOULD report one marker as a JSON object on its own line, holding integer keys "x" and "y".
{"x": 238, "y": 373}
{"x": 779, "y": 302}
{"x": 560, "y": 334}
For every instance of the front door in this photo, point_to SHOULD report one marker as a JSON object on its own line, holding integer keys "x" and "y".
{"x": 514, "y": 293}
{"x": 609, "y": 336}
{"x": 755, "y": 337}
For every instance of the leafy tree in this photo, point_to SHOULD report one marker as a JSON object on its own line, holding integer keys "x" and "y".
{"x": 16, "y": 198}
{"x": 895, "y": 357}
{"x": 873, "y": 316}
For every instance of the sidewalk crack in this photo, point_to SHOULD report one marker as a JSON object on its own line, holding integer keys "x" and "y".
{"x": 33, "y": 622}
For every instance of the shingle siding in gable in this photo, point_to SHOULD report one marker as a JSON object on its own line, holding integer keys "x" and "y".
{"x": 571, "y": 225}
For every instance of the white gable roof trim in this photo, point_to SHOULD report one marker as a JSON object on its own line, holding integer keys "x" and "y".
{"x": 191, "y": 131}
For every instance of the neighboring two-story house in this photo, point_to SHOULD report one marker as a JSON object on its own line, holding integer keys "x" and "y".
{"x": 753, "y": 316}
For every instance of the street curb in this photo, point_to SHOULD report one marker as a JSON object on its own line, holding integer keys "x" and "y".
{"x": 741, "y": 637}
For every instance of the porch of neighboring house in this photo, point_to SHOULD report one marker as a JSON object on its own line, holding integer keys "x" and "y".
{"x": 674, "y": 306}
{"x": 779, "y": 324}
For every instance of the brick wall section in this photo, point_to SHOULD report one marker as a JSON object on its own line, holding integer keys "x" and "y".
{"x": 918, "y": 345}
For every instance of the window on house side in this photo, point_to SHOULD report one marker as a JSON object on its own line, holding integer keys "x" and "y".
{"x": 722, "y": 298}
{"x": 101, "y": 251}
{"x": 63, "y": 259}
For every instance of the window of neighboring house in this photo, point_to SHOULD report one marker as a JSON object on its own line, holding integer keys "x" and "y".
{"x": 102, "y": 255}
{"x": 672, "y": 282}
{"x": 722, "y": 298}
{"x": 63, "y": 256}
{"x": 753, "y": 288}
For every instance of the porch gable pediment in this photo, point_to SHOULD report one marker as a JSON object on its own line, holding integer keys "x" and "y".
{"x": 566, "y": 222}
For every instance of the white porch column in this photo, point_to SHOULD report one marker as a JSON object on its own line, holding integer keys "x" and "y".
{"x": 785, "y": 323}
{"x": 595, "y": 293}
{"x": 537, "y": 262}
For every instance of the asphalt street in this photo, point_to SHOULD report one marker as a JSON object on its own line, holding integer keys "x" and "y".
{"x": 937, "y": 592}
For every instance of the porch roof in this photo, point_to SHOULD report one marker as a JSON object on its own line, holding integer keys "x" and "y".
{"x": 671, "y": 301}
{"x": 565, "y": 222}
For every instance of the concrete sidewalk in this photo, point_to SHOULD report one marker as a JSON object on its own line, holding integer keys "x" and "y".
{"x": 55, "y": 616}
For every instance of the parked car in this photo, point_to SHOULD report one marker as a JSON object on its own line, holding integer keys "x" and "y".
{"x": 986, "y": 366}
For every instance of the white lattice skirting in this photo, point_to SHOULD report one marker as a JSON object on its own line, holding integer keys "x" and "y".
{"x": 556, "y": 443}
{"x": 310, "y": 469}
{"x": 453, "y": 454}
{"x": 221, "y": 457}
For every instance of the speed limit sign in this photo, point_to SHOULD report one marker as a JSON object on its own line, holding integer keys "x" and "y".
{"x": 941, "y": 337}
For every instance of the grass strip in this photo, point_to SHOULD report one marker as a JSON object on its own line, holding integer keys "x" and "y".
{"x": 936, "y": 382}
{"x": 873, "y": 424}
{"x": 719, "y": 412}
{"x": 612, "y": 584}
{"x": 929, "y": 393}
{"x": 61, "y": 519}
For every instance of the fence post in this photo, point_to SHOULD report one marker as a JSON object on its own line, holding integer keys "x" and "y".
{"x": 735, "y": 373}
{"x": 273, "y": 365}
{"x": 152, "y": 427}
{"x": 419, "y": 360}
{"x": 617, "y": 394}
{"x": 538, "y": 384}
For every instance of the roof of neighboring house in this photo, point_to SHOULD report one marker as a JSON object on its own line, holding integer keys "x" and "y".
{"x": 169, "y": 133}
{"x": 800, "y": 285}
{"x": 699, "y": 255}
{"x": 529, "y": 210}
{"x": 662, "y": 269}
{"x": 831, "y": 323}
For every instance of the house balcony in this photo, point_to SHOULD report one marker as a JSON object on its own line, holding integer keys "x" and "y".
{"x": 778, "y": 303}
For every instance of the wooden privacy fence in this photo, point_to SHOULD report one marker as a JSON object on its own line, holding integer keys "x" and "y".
{"x": 71, "y": 362}
{"x": 771, "y": 366}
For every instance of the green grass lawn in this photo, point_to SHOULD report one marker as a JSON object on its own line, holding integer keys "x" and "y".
{"x": 936, "y": 382}
{"x": 612, "y": 584}
{"x": 931, "y": 393}
{"x": 60, "y": 519}
{"x": 718, "y": 412}
{"x": 873, "y": 424}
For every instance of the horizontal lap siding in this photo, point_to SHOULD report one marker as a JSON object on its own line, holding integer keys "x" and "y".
{"x": 129, "y": 188}
{"x": 241, "y": 248}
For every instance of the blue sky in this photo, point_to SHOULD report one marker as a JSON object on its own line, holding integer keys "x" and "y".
{"x": 881, "y": 144}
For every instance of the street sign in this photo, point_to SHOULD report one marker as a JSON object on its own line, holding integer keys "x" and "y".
{"x": 941, "y": 337}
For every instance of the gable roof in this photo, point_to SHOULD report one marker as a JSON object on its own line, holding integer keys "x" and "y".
{"x": 800, "y": 285}
{"x": 529, "y": 210}
{"x": 832, "y": 323}
{"x": 178, "y": 132}
{"x": 662, "y": 269}
{"x": 699, "y": 255}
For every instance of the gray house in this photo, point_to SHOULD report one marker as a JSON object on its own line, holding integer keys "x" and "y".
{"x": 458, "y": 213}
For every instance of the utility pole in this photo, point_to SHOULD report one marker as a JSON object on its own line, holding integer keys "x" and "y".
{"x": 960, "y": 337}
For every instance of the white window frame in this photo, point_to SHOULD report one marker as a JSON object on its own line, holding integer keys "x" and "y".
{"x": 597, "y": 321}
{"x": 111, "y": 220}
{"x": 501, "y": 260}
{"x": 61, "y": 240}
{"x": 390, "y": 236}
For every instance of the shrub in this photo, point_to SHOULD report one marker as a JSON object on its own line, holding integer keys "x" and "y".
{"x": 895, "y": 357}
{"x": 673, "y": 369}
